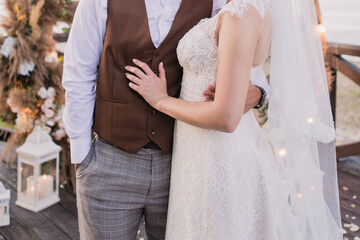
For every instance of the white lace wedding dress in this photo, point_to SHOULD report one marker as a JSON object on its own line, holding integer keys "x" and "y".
{"x": 223, "y": 186}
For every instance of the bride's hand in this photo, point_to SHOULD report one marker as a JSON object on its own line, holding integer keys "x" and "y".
{"x": 147, "y": 84}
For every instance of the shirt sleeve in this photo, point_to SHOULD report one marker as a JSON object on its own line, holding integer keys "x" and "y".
{"x": 81, "y": 60}
{"x": 217, "y": 6}
{"x": 261, "y": 81}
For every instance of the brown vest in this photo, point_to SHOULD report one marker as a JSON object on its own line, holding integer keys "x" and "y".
{"x": 121, "y": 116}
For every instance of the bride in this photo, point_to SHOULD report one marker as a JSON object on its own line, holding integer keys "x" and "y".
{"x": 229, "y": 178}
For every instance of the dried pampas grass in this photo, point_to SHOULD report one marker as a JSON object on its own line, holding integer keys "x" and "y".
{"x": 33, "y": 20}
{"x": 30, "y": 23}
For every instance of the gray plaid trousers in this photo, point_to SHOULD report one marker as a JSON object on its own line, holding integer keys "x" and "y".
{"x": 115, "y": 189}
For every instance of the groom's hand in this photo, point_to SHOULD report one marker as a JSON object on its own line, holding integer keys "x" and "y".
{"x": 252, "y": 99}
{"x": 76, "y": 166}
{"x": 209, "y": 93}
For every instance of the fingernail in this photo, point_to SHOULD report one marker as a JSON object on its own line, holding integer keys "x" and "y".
{"x": 126, "y": 67}
{"x": 162, "y": 64}
{"x": 134, "y": 60}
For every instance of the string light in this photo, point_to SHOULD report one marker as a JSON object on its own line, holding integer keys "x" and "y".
{"x": 299, "y": 195}
{"x": 282, "y": 152}
{"x": 310, "y": 120}
{"x": 312, "y": 187}
{"x": 321, "y": 28}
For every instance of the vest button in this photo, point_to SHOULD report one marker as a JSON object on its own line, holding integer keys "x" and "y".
{"x": 152, "y": 132}
{"x": 153, "y": 111}
{"x": 156, "y": 54}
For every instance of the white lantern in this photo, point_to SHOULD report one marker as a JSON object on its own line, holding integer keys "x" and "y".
{"x": 38, "y": 172}
{"x": 4, "y": 206}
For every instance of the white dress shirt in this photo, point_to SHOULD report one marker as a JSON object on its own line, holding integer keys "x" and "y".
{"x": 82, "y": 56}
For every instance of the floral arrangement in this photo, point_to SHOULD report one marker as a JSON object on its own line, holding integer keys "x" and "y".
{"x": 31, "y": 93}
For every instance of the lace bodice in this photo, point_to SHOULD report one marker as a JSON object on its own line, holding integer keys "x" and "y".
{"x": 198, "y": 50}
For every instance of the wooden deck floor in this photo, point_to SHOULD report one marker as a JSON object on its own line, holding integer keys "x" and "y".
{"x": 349, "y": 188}
{"x": 60, "y": 220}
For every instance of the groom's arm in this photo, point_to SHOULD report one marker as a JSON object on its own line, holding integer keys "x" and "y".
{"x": 254, "y": 93}
{"x": 81, "y": 59}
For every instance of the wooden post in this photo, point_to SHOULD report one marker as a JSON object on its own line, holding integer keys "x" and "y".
{"x": 321, "y": 27}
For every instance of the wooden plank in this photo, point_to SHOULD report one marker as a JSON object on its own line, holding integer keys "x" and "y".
{"x": 16, "y": 229}
{"x": 348, "y": 180}
{"x": 348, "y": 150}
{"x": 36, "y": 224}
{"x": 43, "y": 225}
{"x": 352, "y": 212}
{"x": 68, "y": 201}
{"x": 347, "y": 68}
{"x": 349, "y": 213}
{"x": 347, "y": 49}
{"x": 63, "y": 220}
{"x": 350, "y": 166}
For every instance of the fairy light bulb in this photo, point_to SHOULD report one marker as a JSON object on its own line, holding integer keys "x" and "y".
{"x": 321, "y": 28}
{"x": 299, "y": 195}
{"x": 282, "y": 152}
{"x": 312, "y": 187}
{"x": 310, "y": 120}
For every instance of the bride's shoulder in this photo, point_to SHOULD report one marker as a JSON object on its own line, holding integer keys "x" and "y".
{"x": 239, "y": 8}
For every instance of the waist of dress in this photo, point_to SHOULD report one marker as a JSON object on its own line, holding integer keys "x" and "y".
{"x": 193, "y": 86}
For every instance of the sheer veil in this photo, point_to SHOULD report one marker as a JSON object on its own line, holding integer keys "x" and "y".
{"x": 300, "y": 120}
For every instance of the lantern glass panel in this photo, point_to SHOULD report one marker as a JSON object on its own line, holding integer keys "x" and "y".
{"x": 3, "y": 213}
{"x": 47, "y": 178}
{"x": 27, "y": 182}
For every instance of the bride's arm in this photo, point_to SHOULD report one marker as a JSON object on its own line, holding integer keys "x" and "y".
{"x": 237, "y": 43}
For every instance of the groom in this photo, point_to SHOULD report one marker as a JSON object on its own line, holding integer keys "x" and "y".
{"x": 124, "y": 174}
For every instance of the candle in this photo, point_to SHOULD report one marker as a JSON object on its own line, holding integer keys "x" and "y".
{"x": 47, "y": 183}
{"x": 2, "y": 214}
{"x": 45, "y": 187}
{"x": 30, "y": 187}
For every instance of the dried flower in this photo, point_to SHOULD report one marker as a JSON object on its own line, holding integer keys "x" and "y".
{"x": 50, "y": 123}
{"x": 43, "y": 108}
{"x": 43, "y": 93}
{"x": 49, "y": 113}
{"x": 26, "y": 68}
{"x": 61, "y": 124}
{"x": 56, "y": 119}
{"x": 8, "y": 46}
{"x": 49, "y": 102}
{"x": 46, "y": 129}
{"x": 354, "y": 228}
{"x": 59, "y": 134}
{"x": 43, "y": 118}
{"x": 51, "y": 57}
{"x": 22, "y": 122}
{"x": 51, "y": 93}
